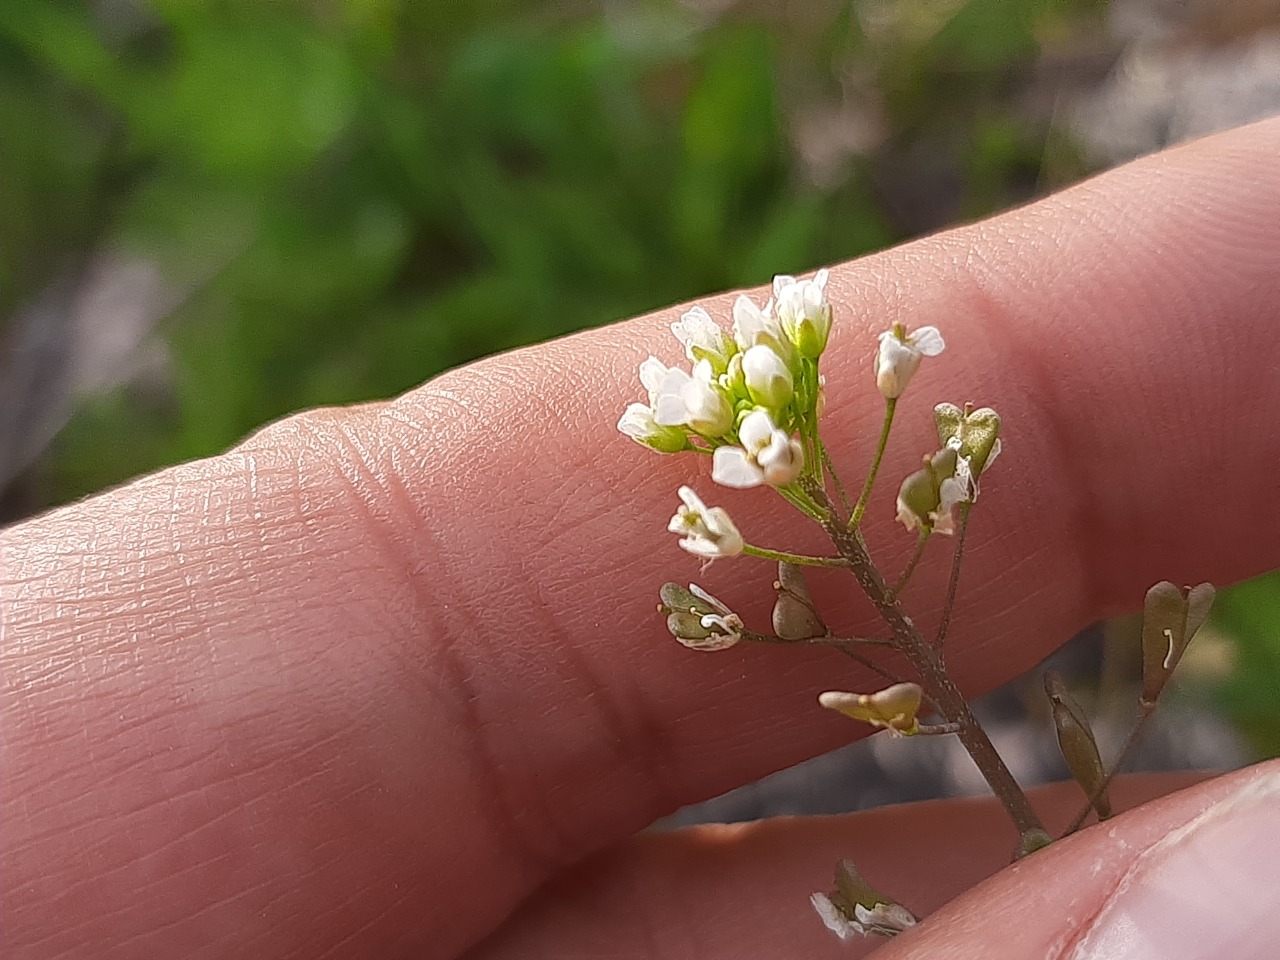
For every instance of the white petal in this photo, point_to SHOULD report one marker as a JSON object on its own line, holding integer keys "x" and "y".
{"x": 836, "y": 922}
{"x": 731, "y": 467}
{"x": 780, "y": 283}
{"x": 928, "y": 340}
{"x": 712, "y": 643}
{"x": 637, "y": 421}
{"x": 702, "y": 595}
{"x": 692, "y": 500}
{"x": 669, "y": 408}
{"x": 693, "y": 326}
{"x": 782, "y": 461}
{"x": 652, "y": 372}
{"x": 908, "y": 517}
{"x": 756, "y": 430}
{"x": 701, "y": 547}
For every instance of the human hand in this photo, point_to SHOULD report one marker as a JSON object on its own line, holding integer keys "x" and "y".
{"x": 388, "y": 681}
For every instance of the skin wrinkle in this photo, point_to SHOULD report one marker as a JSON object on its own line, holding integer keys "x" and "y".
{"x": 494, "y": 798}
{"x": 1044, "y": 416}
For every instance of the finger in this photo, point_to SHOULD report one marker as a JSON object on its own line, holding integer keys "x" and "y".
{"x": 379, "y": 664}
{"x": 1189, "y": 876}
{"x": 741, "y": 891}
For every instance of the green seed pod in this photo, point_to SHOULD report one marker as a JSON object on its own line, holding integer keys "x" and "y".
{"x": 697, "y": 619}
{"x": 1170, "y": 618}
{"x": 794, "y": 614}
{"x": 1075, "y": 739}
{"x": 977, "y": 432}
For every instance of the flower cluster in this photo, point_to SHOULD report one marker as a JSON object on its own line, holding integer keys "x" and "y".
{"x": 752, "y": 394}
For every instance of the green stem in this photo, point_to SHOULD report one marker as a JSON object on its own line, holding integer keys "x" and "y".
{"x": 910, "y": 568}
{"x": 954, "y": 583}
{"x": 799, "y": 499}
{"x": 871, "y": 665}
{"x": 860, "y": 508}
{"x": 799, "y": 559}
{"x": 835, "y": 477}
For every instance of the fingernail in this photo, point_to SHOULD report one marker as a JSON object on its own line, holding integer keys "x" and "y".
{"x": 1205, "y": 891}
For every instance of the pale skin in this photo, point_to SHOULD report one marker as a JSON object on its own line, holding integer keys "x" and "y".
{"x": 373, "y": 682}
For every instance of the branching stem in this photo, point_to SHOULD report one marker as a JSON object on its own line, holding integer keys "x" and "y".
{"x": 933, "y": 676}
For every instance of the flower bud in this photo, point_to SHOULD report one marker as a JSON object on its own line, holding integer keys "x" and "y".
{"x": 794, "y": 615}
{"x": 893, "y": 708}
{"x": 1077, "y": 743}
{"x": 755, "y": 327}
{"x": 768, "y": 381}
{"x": 696, "y": 401}
{"x": 638, "y": 423}
{"x": 704, "y": 340}
{"x": 804, "y": 313}
{"x": 1170, "y": 618}
{"x": 899, "y": 356}
{"x": 767, "y": 455}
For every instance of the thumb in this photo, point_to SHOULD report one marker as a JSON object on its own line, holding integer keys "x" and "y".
{"x": 1189, "y": 876}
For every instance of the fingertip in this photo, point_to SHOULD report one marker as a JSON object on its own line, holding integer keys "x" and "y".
{"x": 1186, "y": 877}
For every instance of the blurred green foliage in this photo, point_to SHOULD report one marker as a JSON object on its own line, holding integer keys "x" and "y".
{"x": 349, "y": 197}
{"x": 1248, "y": 614}
{"x": 345, "y": 197}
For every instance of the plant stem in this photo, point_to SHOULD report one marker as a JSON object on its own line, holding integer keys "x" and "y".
{"x": 871, "y": 665}
{"x": 1147, "y": 709}
{"x": 798, "y": 559}
{"x": 797, "y": 495}
{"x": 933, "y": 675}
{"x": 835, "y": 477}
{"x": 860, "y": 508}
{"x": 953, "y": 584}
{"x": 910, "y": 568}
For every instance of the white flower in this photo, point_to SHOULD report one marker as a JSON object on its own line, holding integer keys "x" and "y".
{"x": 767, "y": 455}
{"x": 708, "y": 531}
{"x": 753, "y": 326}
{"x": 696, "y": 402}
{"x": 900, "y": 355}
{"x": 768, "y": 380}
{"x": 652, "y": 374}
{"x": 637, "y": 423}
{"x": 803, "y": 312}
{"x": 704, "y": 340}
